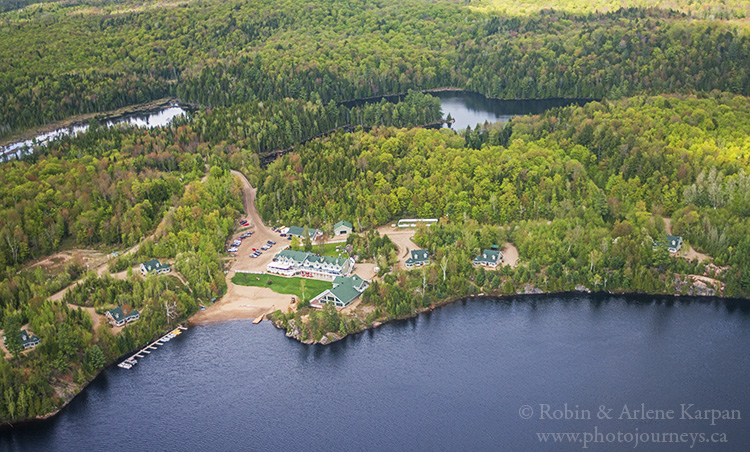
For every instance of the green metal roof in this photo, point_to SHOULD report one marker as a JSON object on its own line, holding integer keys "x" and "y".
{"x": 154, "y": 264}
{"x": 302, "y": 256}
{"x": 298, "y": 256}
{"x": 299, "y": 232}
{"x": 343, "y": 223}
{"x": 488, "y": 257}
{"x": 27, "y": 338}
{"x": 117, "y": 314}
{"x": 345, "y": 292}
{"x": 418, "y": 257}
{"x": 673, "y": 242}
{"x": 353, "y": 281}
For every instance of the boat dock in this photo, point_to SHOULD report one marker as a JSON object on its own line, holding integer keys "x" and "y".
{"x": 258, "y": 320}
{"x": 132, "y": 361}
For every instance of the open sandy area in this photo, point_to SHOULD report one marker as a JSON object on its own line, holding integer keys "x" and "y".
{"x": 403, "y": 238}
{"x": 510, "y": 254}
{"x": 242, "y": 302}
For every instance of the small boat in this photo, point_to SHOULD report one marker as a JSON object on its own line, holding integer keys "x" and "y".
{"x": 125, "y": 365}
{"x": 203, "y": 308}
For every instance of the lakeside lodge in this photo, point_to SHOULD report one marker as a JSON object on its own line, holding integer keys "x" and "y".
{"x": 344, "y": 291}
{"x": 301, "y": 263}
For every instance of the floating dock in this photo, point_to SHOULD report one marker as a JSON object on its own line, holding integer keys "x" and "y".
{"x": 132, "y": 361}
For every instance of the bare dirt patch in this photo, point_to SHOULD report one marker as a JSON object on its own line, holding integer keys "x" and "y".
{"x": 403, "y": 238}
{"x": 365, "y": 271}
{"x": 510, "y": 254}
{"x": 55, "y": 263}
{"x": 693, "y": 254}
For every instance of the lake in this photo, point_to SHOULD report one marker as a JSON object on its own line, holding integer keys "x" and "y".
{"x": 463, "y": 377}
{"x": 159, "y": 118}
{"x": 470, "y": 109}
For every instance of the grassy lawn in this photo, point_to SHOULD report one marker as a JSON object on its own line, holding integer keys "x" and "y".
{"x": 329, "y": 249}
{"x": 281, "y": 284}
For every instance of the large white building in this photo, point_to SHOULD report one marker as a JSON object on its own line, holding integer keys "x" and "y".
{"x": 300, "y": 263}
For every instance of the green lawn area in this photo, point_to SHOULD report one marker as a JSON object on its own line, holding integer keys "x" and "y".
{"x": 329, "y": 249}
{"x": 281, "y": 284}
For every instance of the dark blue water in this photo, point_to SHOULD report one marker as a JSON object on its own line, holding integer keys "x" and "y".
{"x": 454, "y": 379}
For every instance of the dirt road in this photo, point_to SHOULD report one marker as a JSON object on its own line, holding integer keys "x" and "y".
{"x": 403, "y": 238}
{"x": 242, "y": 302}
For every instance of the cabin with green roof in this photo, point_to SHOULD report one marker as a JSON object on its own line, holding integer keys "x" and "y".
{"x": 299, "y": 232}
{"x": 343, "y": 227}
{"x": 489, "y": 258}
{"x": 154, "y": 266}
{"x": 122, "y": 315}
{"x": 672, "y": 242}
{"x": 28, "y": 340}
{"x": 417, "y": 258}
{"x": 344, "y": 291}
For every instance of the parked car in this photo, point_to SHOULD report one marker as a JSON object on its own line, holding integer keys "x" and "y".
{"x": 283, "y": 235}
{"x": 271, "y": 242}
{"x": 255, "y": 249}
{"x": 265, "y": 247}
{"x": 232, "y": 250}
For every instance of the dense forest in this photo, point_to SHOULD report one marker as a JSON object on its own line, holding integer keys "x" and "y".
{"x": 333, "y": 50}
{"x": 582, "y": 192}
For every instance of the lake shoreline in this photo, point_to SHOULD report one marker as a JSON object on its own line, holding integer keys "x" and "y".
{"x": 111, "y": 115}
{"x": 330, "y": 337}
{"x": 7, "y": 426}
{"x": 452, "y": 89}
